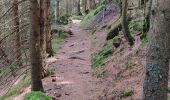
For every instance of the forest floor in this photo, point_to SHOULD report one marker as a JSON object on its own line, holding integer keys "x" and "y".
{"x": 73, "y": 78}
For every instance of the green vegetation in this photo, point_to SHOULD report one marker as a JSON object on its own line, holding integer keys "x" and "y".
{"x": 91, "y": 16}
{"x": 98, "y": 59}
{"x": 16, "y": 89}
{"x": 58, "y": 39}
{"x": 135, "y": 26}
{"x": 50, "y": 71}
{"x": 114, "y": 30}
{"x": 125, "y": 94}
{"x": 37, "y": 96}
{"x": 63, "y": 20}
{"x": 100, "y": 74}
{"x": 76, "y": 17}
{"x": 116, "y": 38}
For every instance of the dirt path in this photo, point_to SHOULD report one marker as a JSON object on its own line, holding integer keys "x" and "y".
{"x": 73, "y": 75}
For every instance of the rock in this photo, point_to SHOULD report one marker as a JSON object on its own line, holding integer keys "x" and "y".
{"x": 78, "y": 52}
{"x": 54, "y": 98}
{"x": 48, "y": 90}
{"x": 53, "y": 79}
{"x": 58, "y": 95}
{"x": 76, "y": 58}
{"x": 57, "y": 87}
{"x": 71, "y": 45}
{"x": 84, "y": 72}
{"x": 116, "y": 41}
{"x": 67, "y": 93}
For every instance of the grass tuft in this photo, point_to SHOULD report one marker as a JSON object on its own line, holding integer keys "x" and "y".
{"x": 98, "y": 59}
{"x": 37, "y": 96}
{"x": 125, "y": 94}
{"x": 91, "y": 16}
{"x": 16, "y": 89}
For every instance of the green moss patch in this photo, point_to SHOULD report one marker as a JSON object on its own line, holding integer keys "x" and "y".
{"x": 98, "y": 59}
{"x": 37, "y": 96}
{"x": 91, "y": 16}
{"x": 127, "y": 93}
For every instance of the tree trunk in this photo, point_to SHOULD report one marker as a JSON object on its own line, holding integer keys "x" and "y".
{"x": 124, "y": 22}
{"x": 17, "y": 48}
{"x": 58, "y": 8}
{"x": 78, "y": 8}
{"x": 43, "y": 38}
{"x": 48, "y": 28}
{"x": 35, "y": 50}
{"x": 85, "y": 5}
{"x": 146, "y": 23}
{"x": 157, "y": 67}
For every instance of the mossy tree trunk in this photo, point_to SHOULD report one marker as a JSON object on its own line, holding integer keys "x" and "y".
{"x": 124, "y": 22}
{"x": 157, "y": 67}
{"x": 146, "y": 23}
{"x": 35, "y": 51}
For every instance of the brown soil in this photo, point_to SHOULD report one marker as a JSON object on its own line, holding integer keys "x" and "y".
{"x": 73, "y": 74}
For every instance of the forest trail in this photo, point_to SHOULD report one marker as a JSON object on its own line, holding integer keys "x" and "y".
{"x": 73, "y": 74}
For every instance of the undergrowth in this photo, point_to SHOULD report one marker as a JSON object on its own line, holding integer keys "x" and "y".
{"x": 58, "y": 39}
{"x": 127, "y": 93}
{"x": 16, "y": 89}
{"x": 98, "y": 59}
{"x": 91, "y": 16}
{"x": 37, "y": 96}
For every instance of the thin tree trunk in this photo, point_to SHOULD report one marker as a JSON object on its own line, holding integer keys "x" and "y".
{"x": 85, "y": 5}
{"x": 124, "y": 22}
{"x": 58, "y": 8}
{"x": 146, "y": 23}
{"x": 35, "y": 50}
{"x": 17, "y": 36}
{"x": 157, "y": 67}
{"x": 43, "y": 38}
{"x": 48, "y": 28}
{"x": 78, "y": 8}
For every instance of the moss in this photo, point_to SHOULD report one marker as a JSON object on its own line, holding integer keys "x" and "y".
{"x": 57, "y": 40}
{"x": 115, "y": 39}
{"x": 127, "y": 93}
{"x": 100, "y": 74}
{"x": 98, "y": 59}
{"x": 51, "y": 71}
{"x": 37, "y": 96}
{"x": 63, "y": 20}
{"x": 93, "y": 31}
{"x": 114, "y": 30}
{"x": 16, "y": 89}
{"x": 76, "y": 17}
{"x": 91, "y": 16}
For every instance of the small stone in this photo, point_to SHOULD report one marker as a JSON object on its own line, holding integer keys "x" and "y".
{"x": 71, "y": 45}
{"x": 85, "y": 72}
{"x": 53, "y": 79}
{"x": 67, "y": 93}
{"x": 57, "y": 95}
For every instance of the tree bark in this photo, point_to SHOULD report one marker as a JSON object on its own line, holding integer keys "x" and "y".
{"x": 157, "y": 67}
{"x": 35, "y": 50}
{"x": 43, "y": 38}
{"x": 124, "y": 22}
{"x": 17, "y": 37}
{"x": 49, "y": 49}
{"x": 58, "y": 8}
